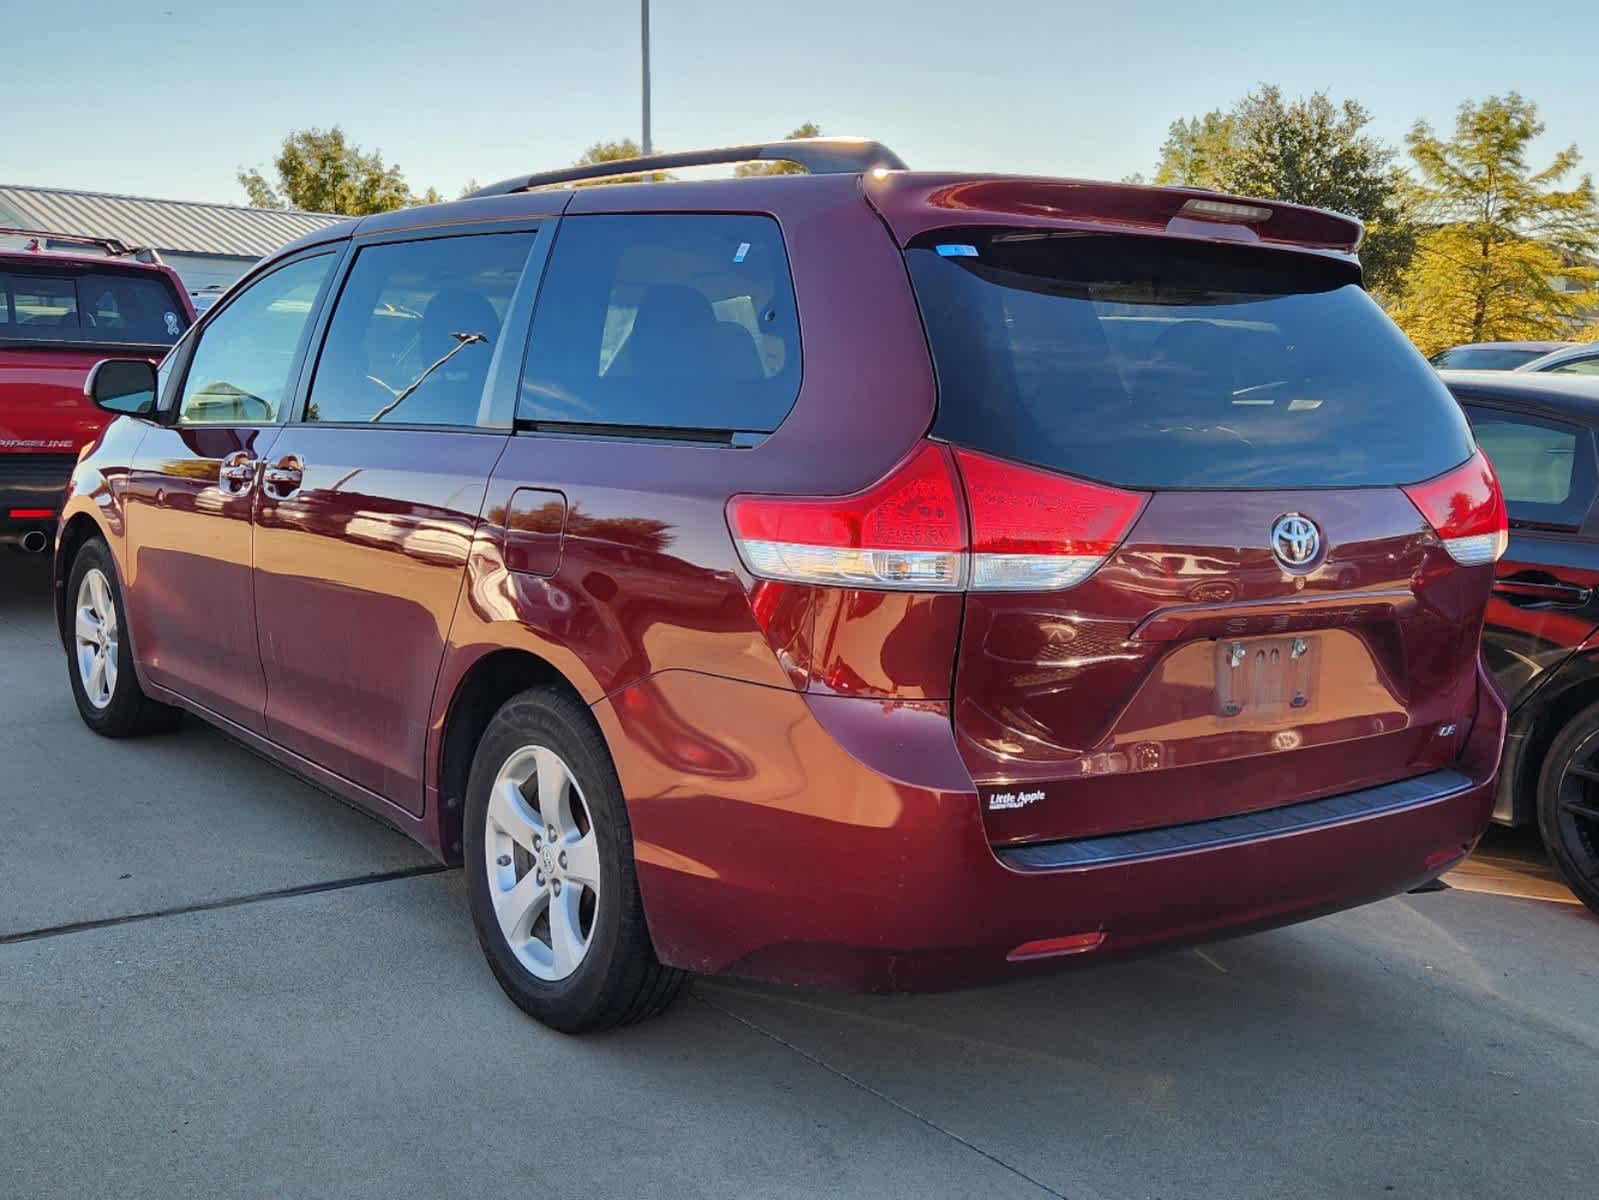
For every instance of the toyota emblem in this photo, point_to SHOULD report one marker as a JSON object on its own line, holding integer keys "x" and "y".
{"x": 1295, "y": 541}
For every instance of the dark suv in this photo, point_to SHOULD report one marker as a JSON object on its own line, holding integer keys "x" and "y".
{"x": 865, "y": 578}
{"x": 60, "y": 313}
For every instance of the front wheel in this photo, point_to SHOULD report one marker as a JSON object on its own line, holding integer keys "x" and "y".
{"x": 550, "y": 878}
{"x": 1568, "y": 804}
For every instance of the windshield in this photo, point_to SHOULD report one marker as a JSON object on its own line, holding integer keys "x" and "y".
{"x": 1153, "y": 363}
{"x": 97, "y": 307}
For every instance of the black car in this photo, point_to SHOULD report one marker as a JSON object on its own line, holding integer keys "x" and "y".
{"x": 1542, "y": 634}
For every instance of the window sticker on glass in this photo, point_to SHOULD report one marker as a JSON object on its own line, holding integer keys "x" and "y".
{"x": 743, "y": 249}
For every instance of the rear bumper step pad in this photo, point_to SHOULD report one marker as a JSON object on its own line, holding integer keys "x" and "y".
{"x": 1224, "y": 831}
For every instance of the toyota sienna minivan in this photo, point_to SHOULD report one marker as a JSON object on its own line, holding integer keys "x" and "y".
{"x": 860, "y": 579}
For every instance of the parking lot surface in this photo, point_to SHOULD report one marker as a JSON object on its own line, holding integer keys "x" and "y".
{"x": 216, "y": 981}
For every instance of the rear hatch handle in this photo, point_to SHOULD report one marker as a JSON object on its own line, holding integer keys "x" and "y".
{"x": 1252, "y": 618}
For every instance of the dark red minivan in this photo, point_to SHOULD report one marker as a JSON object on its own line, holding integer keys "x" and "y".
{"x": 861, "y": 579}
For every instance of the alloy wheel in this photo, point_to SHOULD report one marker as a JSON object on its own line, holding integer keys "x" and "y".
{"x": 543, "y": 863}
{"x": 1577, "y": 807}
{"x": 95, "y": 636}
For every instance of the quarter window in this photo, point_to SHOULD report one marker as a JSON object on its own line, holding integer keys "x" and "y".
{"x": 415, "y": 330}
{"x": 1545, "y": 467}
{"x": 239, "y": 374}
{"x": 664, "y": 322}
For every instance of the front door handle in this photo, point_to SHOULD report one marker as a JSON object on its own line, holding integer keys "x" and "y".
{"x": 236, "y": 473}
{"x": 1527, "y": 592}
{"x": 284, "y": 478}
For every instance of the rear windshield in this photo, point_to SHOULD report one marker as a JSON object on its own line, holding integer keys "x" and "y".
{"x": 1159, "y": 364}
{"x": 95, "y": 307}
{"x": 1476, "y": 358}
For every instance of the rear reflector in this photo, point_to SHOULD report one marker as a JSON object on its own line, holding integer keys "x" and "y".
{"x": 1075, "y": 943}
{"x": 1467, "y": 510}
{"x": 32, "y": 514}
{"x": 1029, "y": 530}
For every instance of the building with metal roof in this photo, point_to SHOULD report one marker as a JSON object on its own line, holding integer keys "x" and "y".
{"x": 207, "y": 244}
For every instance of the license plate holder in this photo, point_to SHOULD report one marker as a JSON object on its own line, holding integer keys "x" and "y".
{"x": 1265, "y": 677}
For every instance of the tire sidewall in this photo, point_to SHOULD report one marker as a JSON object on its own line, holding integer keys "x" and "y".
{"x": 1579, "y": 729}
{"x": 557, "y": 723}
{"x": 95, "y": 555}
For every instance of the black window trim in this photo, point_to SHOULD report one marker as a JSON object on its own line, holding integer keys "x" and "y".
{"x": 170, "y": 412}
{"x": 505, "y": 376}
{"x": 678, "y": 435}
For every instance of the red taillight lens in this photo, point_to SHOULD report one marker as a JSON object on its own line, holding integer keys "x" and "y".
{"x": 905, "y": 531}
{"x": 1036, "y": 531}
{"x": 1030, "y": 530}
{"x": 1467, "y": 509}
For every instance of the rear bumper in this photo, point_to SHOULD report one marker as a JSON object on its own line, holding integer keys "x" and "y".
{"x": 32, "y": 488}
{"x": 836, "y": 842}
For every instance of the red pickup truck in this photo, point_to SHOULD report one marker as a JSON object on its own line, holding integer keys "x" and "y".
{"x": 60, "y": 313}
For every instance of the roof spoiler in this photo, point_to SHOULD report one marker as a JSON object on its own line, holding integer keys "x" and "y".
{"x": 114, "y": 247}
{"x": 914, "y": 204}
{"x": 819, "y": 156}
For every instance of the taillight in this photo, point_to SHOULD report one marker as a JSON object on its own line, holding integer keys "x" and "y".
{"x": 905, "y": 531}
{"x": 1467, "y": 510}
{"x": 1035, "y": 531}
{"x": 1029, "y": 530}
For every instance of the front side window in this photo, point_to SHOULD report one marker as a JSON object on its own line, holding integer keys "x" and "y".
{"x": 668, "y": 321}
{"x": 1577, "y": 366}
{"x": 1545, "y": 467}
{"x": 240, "y": 371}
{"x": 415, "y": 330}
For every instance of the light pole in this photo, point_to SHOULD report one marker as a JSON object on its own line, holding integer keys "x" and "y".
{"x": 644, "y": 21}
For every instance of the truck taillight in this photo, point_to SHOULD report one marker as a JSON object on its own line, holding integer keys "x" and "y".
{"x": 1466, "y": 508}
{"x": 942, "y": 520}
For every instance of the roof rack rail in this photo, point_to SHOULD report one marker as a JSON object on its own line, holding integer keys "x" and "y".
{"x": 112, "y": 246}
{"x": 819, "y": 156}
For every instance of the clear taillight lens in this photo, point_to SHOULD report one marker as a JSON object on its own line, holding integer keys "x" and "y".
{"x": 930, "y": 525}
{"x": 1467, "y": 510}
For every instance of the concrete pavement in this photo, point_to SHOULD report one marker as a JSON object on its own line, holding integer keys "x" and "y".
{"x": 350, "y": 1042}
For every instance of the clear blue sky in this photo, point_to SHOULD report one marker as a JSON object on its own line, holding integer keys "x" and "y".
{"x": 169, "y": 98}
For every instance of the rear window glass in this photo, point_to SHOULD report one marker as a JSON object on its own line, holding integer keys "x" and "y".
{"x": 1159, "y": 364}
{"x": 664, "y": 321}
{"x": 96, "y": 307}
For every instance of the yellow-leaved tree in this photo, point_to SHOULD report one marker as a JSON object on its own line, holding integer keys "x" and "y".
{"x": 1507, "y": 248}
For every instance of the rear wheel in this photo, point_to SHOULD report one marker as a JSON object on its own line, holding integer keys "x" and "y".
{"x": 98, "y": 663}
{"x": 550, "y": 879}
{"x": 1568, "y": 804}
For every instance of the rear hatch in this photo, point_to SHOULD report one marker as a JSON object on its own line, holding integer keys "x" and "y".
{"x": 1268, "y": 490}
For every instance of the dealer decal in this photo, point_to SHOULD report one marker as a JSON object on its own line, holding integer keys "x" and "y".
{"x": 1002, "y": 800}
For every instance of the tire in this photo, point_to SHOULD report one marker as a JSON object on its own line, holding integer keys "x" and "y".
{"x": 542, "y": 763}
{"x": 1568, "y": 804}
{"x": 118, "y": 707}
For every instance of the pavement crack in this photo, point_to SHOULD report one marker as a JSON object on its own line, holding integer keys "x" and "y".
{"x": 816, "y": 1060}
{"x": 300, "y": 889}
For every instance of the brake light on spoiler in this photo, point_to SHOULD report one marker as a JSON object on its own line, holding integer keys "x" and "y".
{"x": 942, "y": 520}
{"x": 1466, "y": 508}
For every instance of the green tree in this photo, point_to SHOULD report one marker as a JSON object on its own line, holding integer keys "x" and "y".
{"x": 745, "y": 170}
{"x": 1502, "y": 234}
{"x": 1306, "y": 151}
{"x": 318, "y": 170}
{"x": 617, "y": 151}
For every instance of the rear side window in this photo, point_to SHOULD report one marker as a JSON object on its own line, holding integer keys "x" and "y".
{"x": 96, "y": 307}
{"x": 1155, "y": 364}
{"x": 415, "y": 330}
{"x": 1576, "y": 366}
{"x": 1545, "y": 467}
{"x": 1483, "y": 358}
{"x": 664, "y": 322}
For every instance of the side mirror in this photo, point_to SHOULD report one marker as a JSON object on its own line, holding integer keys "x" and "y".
{"x": 122, "y": 385}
